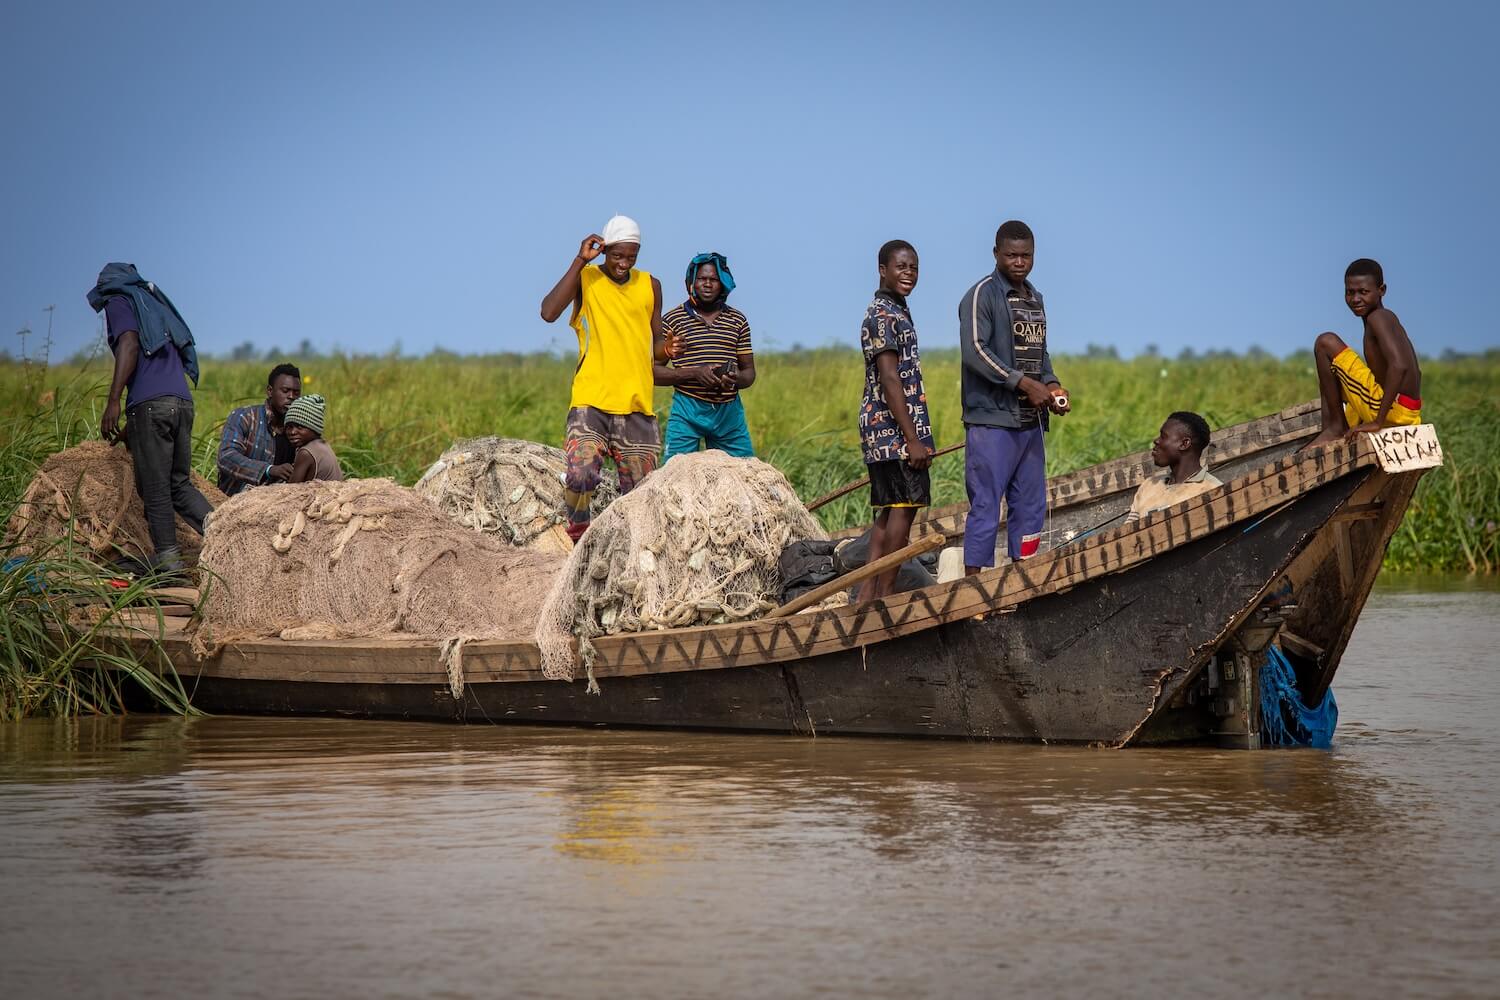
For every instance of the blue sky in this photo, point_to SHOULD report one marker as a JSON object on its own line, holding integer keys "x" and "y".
{"x": 360, "y": 175}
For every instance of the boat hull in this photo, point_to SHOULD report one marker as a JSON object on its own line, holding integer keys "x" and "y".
{"x": 1093, "y": 664}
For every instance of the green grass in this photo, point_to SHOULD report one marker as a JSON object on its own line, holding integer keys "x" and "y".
{"x": 393, "y": 416}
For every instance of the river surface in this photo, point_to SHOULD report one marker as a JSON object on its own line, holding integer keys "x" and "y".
{"x": 302, "y": 857}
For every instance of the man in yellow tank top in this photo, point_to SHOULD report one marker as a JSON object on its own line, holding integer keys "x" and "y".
{"x": 617, "y": 316}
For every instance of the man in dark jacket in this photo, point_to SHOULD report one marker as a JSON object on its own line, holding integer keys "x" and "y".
{"x": 154, "y": 358}
{"x": 1008, "y": 391}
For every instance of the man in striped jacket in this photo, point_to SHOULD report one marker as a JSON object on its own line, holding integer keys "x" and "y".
{"x": 1009, "y": 390}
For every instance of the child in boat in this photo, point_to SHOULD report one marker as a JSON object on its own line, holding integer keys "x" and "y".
{"x": 1359, "y": 398}
{"x": 304, "y": 429}
{"x": 895, "y": 429}
{"x": 1178, "y": 448}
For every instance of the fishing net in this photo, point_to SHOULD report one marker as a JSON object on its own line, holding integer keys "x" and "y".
{"x": 1286, "y": 721}
{"x": 696, "y": 543}
{"x": 368, "y": 559}
{"x": 93, "y": 486}
{"x": 508, "y": 488}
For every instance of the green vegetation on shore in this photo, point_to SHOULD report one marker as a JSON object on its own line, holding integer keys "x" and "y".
{"x": 393, "y": 416}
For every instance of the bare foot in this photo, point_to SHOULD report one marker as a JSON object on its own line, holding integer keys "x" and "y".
{"x": 1327, "y": 437}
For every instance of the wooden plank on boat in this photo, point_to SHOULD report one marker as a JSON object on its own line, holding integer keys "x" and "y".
{"x": 1301, "y": 646}
{"x": 1359, "y": 512}
{"x": 147, "y": 620}
{"x": 176, "y": 595}
{"x": 1345, "y": 554}
{"x": 893, "y": 559}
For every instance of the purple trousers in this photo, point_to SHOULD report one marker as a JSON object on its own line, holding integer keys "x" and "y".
{"x": 1000, "y": 462}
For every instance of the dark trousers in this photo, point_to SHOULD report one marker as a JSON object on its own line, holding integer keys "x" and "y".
{"x": 160, "y": 435}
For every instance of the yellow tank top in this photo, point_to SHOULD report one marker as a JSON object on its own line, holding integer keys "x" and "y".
{"x": 614, "y": 343}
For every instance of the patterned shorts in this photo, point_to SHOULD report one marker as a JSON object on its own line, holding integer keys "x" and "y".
{"x": 632, "y": 441}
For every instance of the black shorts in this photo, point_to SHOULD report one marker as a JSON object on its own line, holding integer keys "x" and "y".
{"x": 897, "y": 484}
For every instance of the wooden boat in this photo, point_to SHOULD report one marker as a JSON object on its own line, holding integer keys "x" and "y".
{"x": 1142, "y": 633}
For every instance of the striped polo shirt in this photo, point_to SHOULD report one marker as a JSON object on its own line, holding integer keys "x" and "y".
{"x": 728, "y": 339}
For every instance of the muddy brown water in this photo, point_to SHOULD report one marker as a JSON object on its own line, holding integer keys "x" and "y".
{"x": 306, "y": 857}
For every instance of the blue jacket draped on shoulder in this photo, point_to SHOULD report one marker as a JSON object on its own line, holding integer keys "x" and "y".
{"x": 158, "y": 320}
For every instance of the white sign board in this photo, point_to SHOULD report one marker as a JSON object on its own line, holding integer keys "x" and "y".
{"x": 1401, "y": 449}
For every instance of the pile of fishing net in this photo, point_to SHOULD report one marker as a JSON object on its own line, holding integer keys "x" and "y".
{"x": 508, "y": 488}
{"x": 92, "y": 485}
{"x": 696, "y": 543}
{"x": 363, "y": 559}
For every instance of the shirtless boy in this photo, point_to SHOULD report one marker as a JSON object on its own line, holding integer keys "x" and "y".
{"x": 1359, "y": 398}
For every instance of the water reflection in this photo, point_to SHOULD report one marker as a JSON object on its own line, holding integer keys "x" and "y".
{"x": 629, "y": 798}
{"x": 306, "y": 855}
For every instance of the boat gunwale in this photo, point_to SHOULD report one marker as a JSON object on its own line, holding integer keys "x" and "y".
{"x": 1119, "y": 475}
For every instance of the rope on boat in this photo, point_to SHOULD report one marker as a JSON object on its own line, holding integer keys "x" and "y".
{"x": 451, "y": 656}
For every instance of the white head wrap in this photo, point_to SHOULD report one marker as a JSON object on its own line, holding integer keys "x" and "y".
{"x": 621, "y": 229}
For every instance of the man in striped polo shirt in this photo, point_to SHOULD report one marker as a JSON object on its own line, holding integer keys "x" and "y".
{"x": 715, "y": 362}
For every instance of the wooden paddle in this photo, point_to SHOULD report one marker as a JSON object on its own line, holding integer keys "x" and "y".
{"x": 865, "y": 481}
{"x": 924, "y": 544}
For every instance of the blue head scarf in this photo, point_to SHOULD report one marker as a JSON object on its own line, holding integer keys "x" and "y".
{"x": 721, "y": 265}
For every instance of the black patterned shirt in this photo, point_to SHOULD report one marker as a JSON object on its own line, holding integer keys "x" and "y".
{"x": 1029, "y": 330}
{"x": 888, "y": 327}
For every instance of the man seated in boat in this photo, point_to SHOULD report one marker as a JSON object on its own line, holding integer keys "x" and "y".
{"x": 253, "y": 448}
{"x": 1178, "y": 448}
{"x": 1359, "y": 398}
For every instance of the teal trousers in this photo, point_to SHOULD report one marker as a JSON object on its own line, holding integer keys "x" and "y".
{"x": 695, "y": 425}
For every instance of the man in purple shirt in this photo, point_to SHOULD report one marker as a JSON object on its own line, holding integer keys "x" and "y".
{"x": 152, "y": 372}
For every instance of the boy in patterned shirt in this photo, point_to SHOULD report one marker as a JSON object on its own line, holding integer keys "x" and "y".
{"x": 895, "y": 428}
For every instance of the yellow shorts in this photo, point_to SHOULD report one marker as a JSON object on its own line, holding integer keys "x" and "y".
{"x": 1362, "y": 394}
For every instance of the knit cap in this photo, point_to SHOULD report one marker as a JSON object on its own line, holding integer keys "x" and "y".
{"x": 306, "y": 411}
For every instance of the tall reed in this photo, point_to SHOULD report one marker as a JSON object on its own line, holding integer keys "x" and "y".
{"x": 62, "y": 650}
